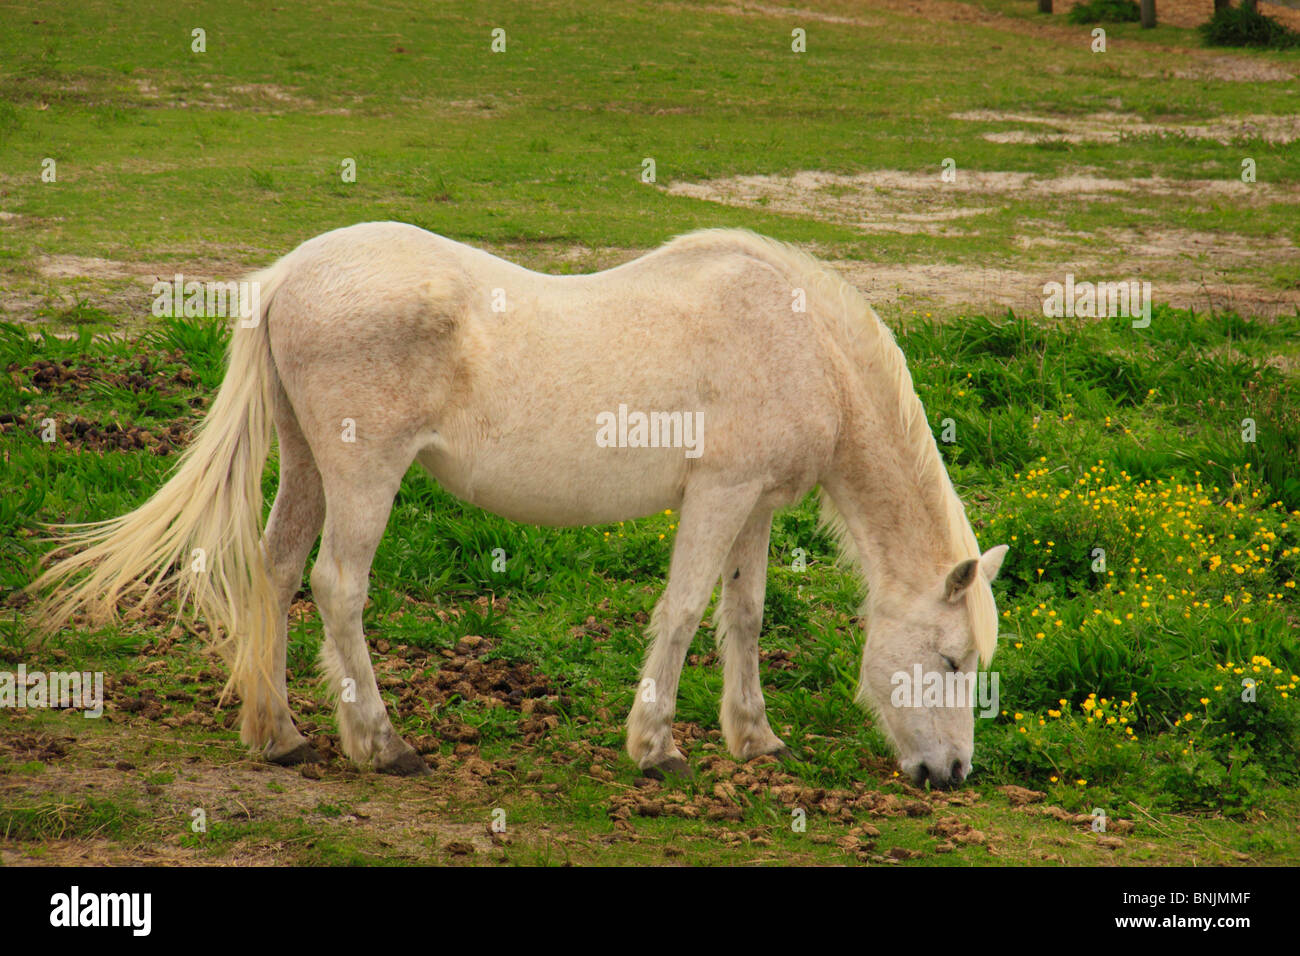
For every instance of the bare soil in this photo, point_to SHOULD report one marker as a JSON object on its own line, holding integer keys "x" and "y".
{"x": 1187, "y": 268}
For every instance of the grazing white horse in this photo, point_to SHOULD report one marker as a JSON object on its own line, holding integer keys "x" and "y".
{"x": 724, "y": 375}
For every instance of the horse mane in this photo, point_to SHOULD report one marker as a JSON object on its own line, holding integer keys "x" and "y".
{"x": 866, "y": 340}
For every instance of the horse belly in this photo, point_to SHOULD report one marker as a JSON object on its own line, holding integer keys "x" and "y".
{"x": 535, "y": 484}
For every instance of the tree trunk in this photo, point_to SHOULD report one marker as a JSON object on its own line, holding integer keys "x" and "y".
{"x": 1044, "y": 6}
{"x": 1149, "y": 14}
{"x": 1221, "y": 5}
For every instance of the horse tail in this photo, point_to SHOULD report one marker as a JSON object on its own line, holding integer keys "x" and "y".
{"x": 199, "y": 536}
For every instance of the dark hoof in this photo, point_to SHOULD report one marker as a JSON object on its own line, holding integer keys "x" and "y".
{"x": 783, "y": 753}
{"x": 406, "y": 764}
{"x": 303, "y": 753}
{"x": 673, "y": 766}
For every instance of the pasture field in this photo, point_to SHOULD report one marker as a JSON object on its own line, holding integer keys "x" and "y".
{"x": 1121, "y": 676}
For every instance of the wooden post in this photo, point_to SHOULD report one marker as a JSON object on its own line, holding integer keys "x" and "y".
{"x": 1221, "y": 5}
{"x": 1044, "y": 6}
{"x": 1148, "y": 14}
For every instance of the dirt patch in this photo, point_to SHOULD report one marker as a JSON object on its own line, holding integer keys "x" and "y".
{"x": 415, "y": 819}
{"x": 83, "y": 267}
{"x": 159, "y": 374}
{"x": 253, "y": 97}
{"x": 1236, "y": 69}
{"x": 1113, "y": 127}
{"x": 901, "y": 289}
{"x": 861, "y": 13}
{"x": 465, "y": 675}
{"x": 1187, "y": 268}
{"x": 478, "y": 108}
{"x": 867, "y": 201}
{"x": 793, "y": 14}
{"x": 424, "y": 681}
{"x": 875, "y": 200}
{"x": 725, "y": 789}
{"x": 91, "y": 267}
{"x": 36, "y": 746}
{"x": 272, "y": 93}
{"x": 118, "y": 288}
{"x": 409, "y": 817}
{"x": 99, "y": 436}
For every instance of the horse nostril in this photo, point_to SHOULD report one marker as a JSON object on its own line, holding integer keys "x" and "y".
{"x": 957, "y": 774}
{"x": 922, "y": 774}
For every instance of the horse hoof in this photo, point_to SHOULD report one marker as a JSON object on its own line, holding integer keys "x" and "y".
{"x": 408, "y": 763}
{"x": 782, "y": 752}
{"x": 673, "y": 766}
{"x": 302, "y": 753}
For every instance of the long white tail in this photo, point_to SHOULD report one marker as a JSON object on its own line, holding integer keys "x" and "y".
{"x": 199, "y": 536}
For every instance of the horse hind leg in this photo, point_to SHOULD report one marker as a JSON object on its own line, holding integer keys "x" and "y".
{"x": 356, "y": 512}
{"x": 294, "y": 524}
{"x": 739, "y": 618}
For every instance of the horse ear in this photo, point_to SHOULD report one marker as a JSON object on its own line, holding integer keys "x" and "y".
{"x": 959, "y": 579}
{"x": 991, "y": 561}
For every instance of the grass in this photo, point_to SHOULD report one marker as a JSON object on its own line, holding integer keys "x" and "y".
{"x": 1121, "y": 681}
{"x": 511, "y": 150}
{"x": 1245, "y": 26}
{"x": 1125, "y": 678}
{"x": 1105, "y": 11}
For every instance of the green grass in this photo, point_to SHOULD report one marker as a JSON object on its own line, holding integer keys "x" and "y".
{"x": 1105, "y": 11}
{"x": 543, "y": 144}
{"x": 216, "y": 162}
{"x": 1145, "y": 637}
{"x": 59, "y": 820}
{"x": 1242, "y": 26}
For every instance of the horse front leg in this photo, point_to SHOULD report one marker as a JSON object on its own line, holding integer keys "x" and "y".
{"x": 740, "y": 618}
{"x": 710, "y": 520}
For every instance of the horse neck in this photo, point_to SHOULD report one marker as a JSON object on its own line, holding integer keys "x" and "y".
{"x": 896, "y": 503}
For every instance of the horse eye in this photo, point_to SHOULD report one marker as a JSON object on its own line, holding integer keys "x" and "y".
{"x": 952, "y": 665}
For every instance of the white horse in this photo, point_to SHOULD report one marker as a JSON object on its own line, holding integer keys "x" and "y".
{"x": 557, "y": 400}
